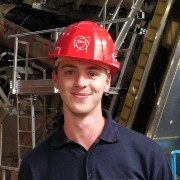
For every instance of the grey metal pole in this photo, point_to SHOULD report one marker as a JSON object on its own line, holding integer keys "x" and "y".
{"x": 114, "y": 14}
{"x": 15, "y": 65}
{"x": 33, "y": 122}
{"x": 127, "y": 24}
{"x": 3, "y": 174}
{"x": 26, "y": 63}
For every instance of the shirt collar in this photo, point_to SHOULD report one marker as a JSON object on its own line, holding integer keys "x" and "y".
{"x": 59, "y": 138}
{"x": 109, "y": 134}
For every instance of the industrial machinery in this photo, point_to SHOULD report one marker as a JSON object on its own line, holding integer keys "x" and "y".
{"x": 144, "y": 95}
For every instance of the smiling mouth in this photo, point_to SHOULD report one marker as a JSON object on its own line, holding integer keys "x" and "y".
{"x": 81, "y": 95}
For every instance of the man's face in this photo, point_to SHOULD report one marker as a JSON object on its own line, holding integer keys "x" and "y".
{"x": 81, "y": 85}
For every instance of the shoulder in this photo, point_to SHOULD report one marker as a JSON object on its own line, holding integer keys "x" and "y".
{"x": 140, "y": 152}
{"x": 45, "y": 148}
{"x": 134, "y": 138}
{"x": 141, "y": 146}
{"x": 39, "y": 152}
{"x": 35, "y": 163}
{"x": 145, "y": 150}
{"x": 129, "y": 138}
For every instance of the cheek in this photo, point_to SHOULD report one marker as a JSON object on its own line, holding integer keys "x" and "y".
{"x": 64, "y": 84}
{"x": 100, "y": 86}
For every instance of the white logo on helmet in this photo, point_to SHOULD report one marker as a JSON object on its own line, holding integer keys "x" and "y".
{"x": 81, "y": 43}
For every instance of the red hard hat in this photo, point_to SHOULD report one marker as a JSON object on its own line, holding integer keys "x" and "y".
{"x": 86, "y": 41}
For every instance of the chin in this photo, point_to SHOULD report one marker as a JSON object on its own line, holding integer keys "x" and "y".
{"x": 80, "y": 110}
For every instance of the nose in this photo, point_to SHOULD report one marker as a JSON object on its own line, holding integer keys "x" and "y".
{"x": 80, "y": 81}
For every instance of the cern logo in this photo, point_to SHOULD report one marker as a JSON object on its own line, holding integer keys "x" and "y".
{"x": 81, "y": 43}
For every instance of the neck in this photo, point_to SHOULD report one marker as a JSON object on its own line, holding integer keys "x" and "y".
{"x": 83, "y": 129}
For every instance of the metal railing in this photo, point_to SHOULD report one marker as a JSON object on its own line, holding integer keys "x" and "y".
{"x": 173, "y": 162}
{"x": 16, "y": 37}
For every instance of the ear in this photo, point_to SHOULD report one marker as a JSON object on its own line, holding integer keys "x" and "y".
{"x": 108, "y": 83}
{"x": 55, "y": 79}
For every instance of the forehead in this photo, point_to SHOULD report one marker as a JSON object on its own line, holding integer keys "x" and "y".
{"x": 79, "y": 64}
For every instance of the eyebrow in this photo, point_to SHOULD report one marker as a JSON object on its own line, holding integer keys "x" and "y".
{"x": 68, "y": 66}
{"x": 88, "y": 68}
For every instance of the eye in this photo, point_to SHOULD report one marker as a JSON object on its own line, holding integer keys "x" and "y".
{"x": 92, "y": 74}
{"x": 69, "y": 72}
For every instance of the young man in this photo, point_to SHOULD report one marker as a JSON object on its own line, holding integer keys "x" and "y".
{"x": 88, "y": 144}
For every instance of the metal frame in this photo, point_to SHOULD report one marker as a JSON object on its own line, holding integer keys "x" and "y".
{"x": 134, "y": 10}
{"x": 173, "y": 162}
{"x": 165, "y": 90}
{"x": 118, "y": 84}
{"x": 148, "y": 66}
{"x": 16, "y": 42}
{"x": 33, "y": 132}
